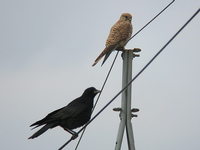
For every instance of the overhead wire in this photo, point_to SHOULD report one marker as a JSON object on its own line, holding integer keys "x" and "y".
{"x": 133, "y": 79}
{"x": 151, "y": 20}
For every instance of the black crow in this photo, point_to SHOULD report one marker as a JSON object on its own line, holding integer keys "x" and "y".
{"x": 74, "y": 115}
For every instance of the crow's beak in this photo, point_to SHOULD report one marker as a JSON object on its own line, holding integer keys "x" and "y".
{"x": 97, "y": 91}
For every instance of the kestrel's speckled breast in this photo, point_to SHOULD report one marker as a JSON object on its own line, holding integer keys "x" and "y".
{"x": 119, "y": 34}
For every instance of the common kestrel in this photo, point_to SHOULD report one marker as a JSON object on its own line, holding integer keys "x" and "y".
{"x": 119, "y": 34}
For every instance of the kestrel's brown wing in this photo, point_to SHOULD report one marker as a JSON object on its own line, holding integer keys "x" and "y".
{"x": 106, "y": 56}
{"x": 119, "y": 34}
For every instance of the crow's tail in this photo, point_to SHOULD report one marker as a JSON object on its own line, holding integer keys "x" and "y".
{"x": 41, "y": 131}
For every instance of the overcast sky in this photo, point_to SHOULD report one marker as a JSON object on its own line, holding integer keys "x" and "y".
{"x": 47, "y": 48}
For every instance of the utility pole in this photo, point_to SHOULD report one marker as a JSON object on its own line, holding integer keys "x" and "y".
{"x": 125, "y": 110}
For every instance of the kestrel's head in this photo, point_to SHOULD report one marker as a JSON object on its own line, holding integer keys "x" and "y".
{"x": 126, "y": 16}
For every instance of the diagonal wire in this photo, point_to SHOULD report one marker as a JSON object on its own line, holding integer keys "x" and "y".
{"x": 98, "y": 96}
{"x": 115, "y": 59}
{"x": 151, "y": 20}
{"x": 136, "y": 76}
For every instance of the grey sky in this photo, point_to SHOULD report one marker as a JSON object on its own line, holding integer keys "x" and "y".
{"x": 47, "y": 48}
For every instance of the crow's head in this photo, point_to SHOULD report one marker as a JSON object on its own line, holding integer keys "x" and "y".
{"x": 91, "y": 91}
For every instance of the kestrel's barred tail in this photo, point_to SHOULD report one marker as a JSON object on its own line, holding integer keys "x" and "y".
{"x": 107, "y": 51}
{"x": 99, "y": 57}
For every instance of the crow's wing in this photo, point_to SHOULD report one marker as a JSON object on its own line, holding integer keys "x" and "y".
{"x": 46, "y": 119}
{"x": 72, "y": 110}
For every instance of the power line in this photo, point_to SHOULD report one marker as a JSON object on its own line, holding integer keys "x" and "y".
{"x": 133, "y": 78}
{"x": 151, "y": 20}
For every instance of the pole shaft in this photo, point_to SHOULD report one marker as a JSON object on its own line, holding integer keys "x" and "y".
{"x": 123, "y": 108}
{"x": 129, "y": 130}
{"x": 125, "y": 114}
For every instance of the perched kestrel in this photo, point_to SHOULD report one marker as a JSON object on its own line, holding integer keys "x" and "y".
{"x": 119, "y": 34}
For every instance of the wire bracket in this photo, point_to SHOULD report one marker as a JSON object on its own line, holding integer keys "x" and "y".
{"x": 133, "y": 110}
